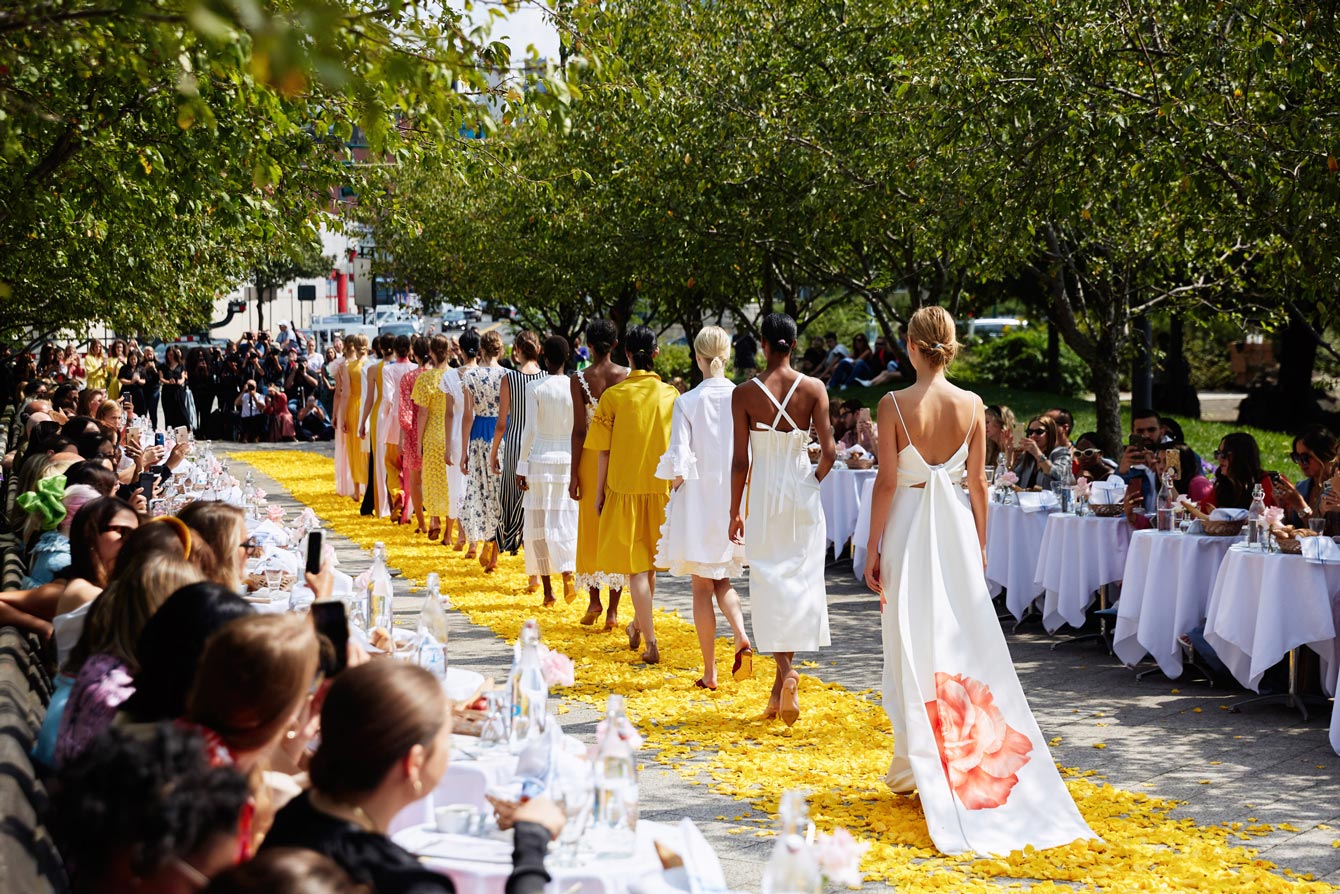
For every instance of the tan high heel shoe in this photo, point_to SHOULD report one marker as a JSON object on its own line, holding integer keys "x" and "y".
{"x": 790, "y": 707}
{"x": 569, "y": 589}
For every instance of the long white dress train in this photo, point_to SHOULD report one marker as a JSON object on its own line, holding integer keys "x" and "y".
{"x": 963, "y": 731}
{"x": 784, "y": 539}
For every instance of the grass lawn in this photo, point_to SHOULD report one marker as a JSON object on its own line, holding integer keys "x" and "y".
{"x": 1203, "y": 437}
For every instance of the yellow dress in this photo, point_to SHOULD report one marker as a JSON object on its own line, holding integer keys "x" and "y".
{"x": 633, "y": 424}
{"x": 112, "y": 369}
{"x": 373, "y": 373}
{"x": 429, "y": 396}
{"x": 353, "y": 409}
{"x": 95, "y": 372}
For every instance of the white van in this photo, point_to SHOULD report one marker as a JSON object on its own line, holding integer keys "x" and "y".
{"x": 994, "y": 327}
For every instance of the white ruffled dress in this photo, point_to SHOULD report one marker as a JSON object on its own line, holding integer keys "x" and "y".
{"x": 695, "y": 539}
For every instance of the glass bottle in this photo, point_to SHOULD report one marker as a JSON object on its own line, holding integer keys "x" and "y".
{"x": 1254, "y": 513}
{"x": 1167, "y": 502}
{"x": 433, "y": 630}
{"x": 380, "y": 592}
{"x": 616, "y": 795}
{"x": 526, "y": 687}
{"x": 793, "y": 867}
{"x": 999, "y": 478}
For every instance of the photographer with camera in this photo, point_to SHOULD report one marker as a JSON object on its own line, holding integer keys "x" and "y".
{"x": 250, "y": 404}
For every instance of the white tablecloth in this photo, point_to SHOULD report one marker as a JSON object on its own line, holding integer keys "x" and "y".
{"x": 1078, "y": 555}
{"x": 1265, "y": 604}
{"x": 1013, "y": 542}
{"x": 840, "y": 495}
{"x": 1164, "y": 593}
{"x": 482, "y": 865}
{"x": 861, "y": 536}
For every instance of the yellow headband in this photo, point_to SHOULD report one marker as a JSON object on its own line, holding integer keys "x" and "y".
{"x": 179, "y": 527}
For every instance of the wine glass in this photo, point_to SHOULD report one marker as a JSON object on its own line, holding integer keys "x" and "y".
{"x": 574, "y": 794}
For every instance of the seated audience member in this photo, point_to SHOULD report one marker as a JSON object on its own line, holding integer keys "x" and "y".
{"x": 224, "y": 527}
{"x": 170, "y": 648}
{"x": 999, "y": 435}
{"x": 1042, "y": 459}
{"x": 94, "y": 474}
{"x": 152, "y": 566}
{"x": 1239, "y": 472}
{"x": 836, "y": 352}
{"x": 281, "y": 418}
{"x": 1065, "y": 424}
{"x": 856, "y": 366}
{"x": 89, "y": 401}
{"x": 385, "y": 743}
{"x": 284, "y": 870}
{"x": 252, "y": 701}
{"x": 313, "y": 423}
{"x": 145, "y": 811}
{"x": 813, "y": 359}
{"x": 1187, "y": 466}
{"x": 857, "y": 427}
{"x": 1315, "y": 452}
{"x": 1138, "y": 460}
{"x": 50, "y": 555}
{"x": 1090, "y": 460}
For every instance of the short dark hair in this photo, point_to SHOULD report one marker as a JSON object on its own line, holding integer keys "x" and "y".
{"x": 640, "y": 343}
{"x": 402, "y": 345}
{"x": 153, "y": 797}
{"x": 94, "y": 474}
{"x": 602, "y": 335}
{"x": 1063, "y": 417}
{"x": 1145, "y": 413}
{"x": 779, "y": 332}
{"x": 852, "y": 405}
{"x": 832, "y": 335}
{"x": 1091, "y": 437}
{"x": 556, "y": 353}
{"x": 170, "y": 646}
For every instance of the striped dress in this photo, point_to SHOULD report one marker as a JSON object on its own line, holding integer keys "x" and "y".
{"x": 511, "y": 521}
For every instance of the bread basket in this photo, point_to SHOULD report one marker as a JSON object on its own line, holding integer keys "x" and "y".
{"x": 816, "y": 453}
{"x": 857, "y": 462}
{"x": 1107, "y": 510}
{"x": 1219, "y": 528}
{"x": 1291, "y": 545}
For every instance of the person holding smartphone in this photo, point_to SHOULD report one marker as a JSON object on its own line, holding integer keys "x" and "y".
{"x": 1138, "y": 461}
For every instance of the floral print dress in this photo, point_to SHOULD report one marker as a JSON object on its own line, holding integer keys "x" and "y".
{"x": 482, "y": 508}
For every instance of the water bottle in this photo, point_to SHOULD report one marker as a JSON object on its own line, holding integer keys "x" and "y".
{"x": 998, "y": 479}
{"x": 380, "y": 593}
{"x": 1254, "y": 515}
{"x": 793, "y": 867}
{"x": 526, "y": 686}
{"x": 1167, "y": 502}
{"x": 433, "y": 630}
{"x": 615, "y": 772}
{"x": 1065, "y": 495}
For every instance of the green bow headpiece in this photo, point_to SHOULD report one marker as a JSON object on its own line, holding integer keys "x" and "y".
{"x": 47, "y": 500}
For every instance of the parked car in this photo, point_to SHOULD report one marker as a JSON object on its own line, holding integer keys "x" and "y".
{"x": 994, "y": 327}
{"x": 401, "y": 328}
{"x": 453, "y": 318}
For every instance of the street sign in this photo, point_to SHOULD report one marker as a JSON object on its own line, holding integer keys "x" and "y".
{"x": 306, "y": 293}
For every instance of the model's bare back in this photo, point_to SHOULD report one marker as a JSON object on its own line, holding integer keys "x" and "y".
{"x": 808, "y": 397}
{"x": 938, "y": 417}
{"x": 603, "y": 375}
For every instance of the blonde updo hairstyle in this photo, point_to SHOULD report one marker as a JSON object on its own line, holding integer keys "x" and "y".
{"x": 931, "y": 329}
{"x": 713, "y": 345}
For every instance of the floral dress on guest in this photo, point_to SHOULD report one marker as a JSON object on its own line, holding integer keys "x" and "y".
{"x": 482, "y": 508}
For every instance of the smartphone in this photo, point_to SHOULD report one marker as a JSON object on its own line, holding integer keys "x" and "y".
{"x": 147, "y": 481}
{"x": 1172, "y": 460}
{"x": 331, "y": 622}
{"x": 158, "y": 439}
{"x": 1137, "y": 441}
{"x": 314, "y": 552}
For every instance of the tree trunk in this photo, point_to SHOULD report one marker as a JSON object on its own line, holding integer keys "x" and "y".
{"x": 1298, "y": 359}
{"x": 621, "y": 312}
{"x": 260, "y": 305}
{"x": 1142, "y": 366}
{"x": 1053, "y": 359}
{"x": 1105, "y": 372}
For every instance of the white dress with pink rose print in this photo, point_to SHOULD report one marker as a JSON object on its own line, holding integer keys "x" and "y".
{"x": 964, "y": 735}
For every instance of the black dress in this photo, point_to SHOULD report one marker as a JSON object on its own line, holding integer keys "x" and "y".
{"x": 174, "y": 397}
{"x": 372, "y": 858}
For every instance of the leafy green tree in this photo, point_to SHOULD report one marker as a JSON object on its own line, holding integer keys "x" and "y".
{"x": 280, "y": 261}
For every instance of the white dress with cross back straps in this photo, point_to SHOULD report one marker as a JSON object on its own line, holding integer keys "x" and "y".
{"x": 784, "y": 540}
{"x": 964, "y": 735}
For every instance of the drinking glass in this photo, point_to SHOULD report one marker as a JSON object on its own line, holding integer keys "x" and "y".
{"x": 990, "y": 475}
{"x": 1317, "y": 525}
{"x": 494, "y": 731}
{"x": 574, "y": 794}
{"x": 274, "y": 578}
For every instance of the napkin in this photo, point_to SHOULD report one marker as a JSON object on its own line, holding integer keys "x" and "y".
{"x": 700, "y": 873}
{"x": 1228, "y": 515}
{"x": 1320, "y": 550}
{"x": 537, "y": 766}
{"x": 274, "y": 557}
{"x": 1037, "y": 502}
{"x": 1113, "y": 490}
{"x": 268, "y": 533}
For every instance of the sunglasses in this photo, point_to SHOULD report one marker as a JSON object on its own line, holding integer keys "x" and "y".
{"x": 249, "y": 544}
{"x": 1035, "y": 432}
{"x": 1301, "y": 458}
{"x": 1222, "y": 454}
{"x": 1089, "y": 452}
{"x": 123, "y": 530}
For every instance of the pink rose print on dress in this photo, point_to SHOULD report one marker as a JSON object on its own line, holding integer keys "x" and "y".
{"x": 980, "y": 752}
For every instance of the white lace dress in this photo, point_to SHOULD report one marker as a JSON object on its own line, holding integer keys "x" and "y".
{"x": 549, "y": 528}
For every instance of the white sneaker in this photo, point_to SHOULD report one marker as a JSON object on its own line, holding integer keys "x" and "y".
{"x": 864, "y": 383}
